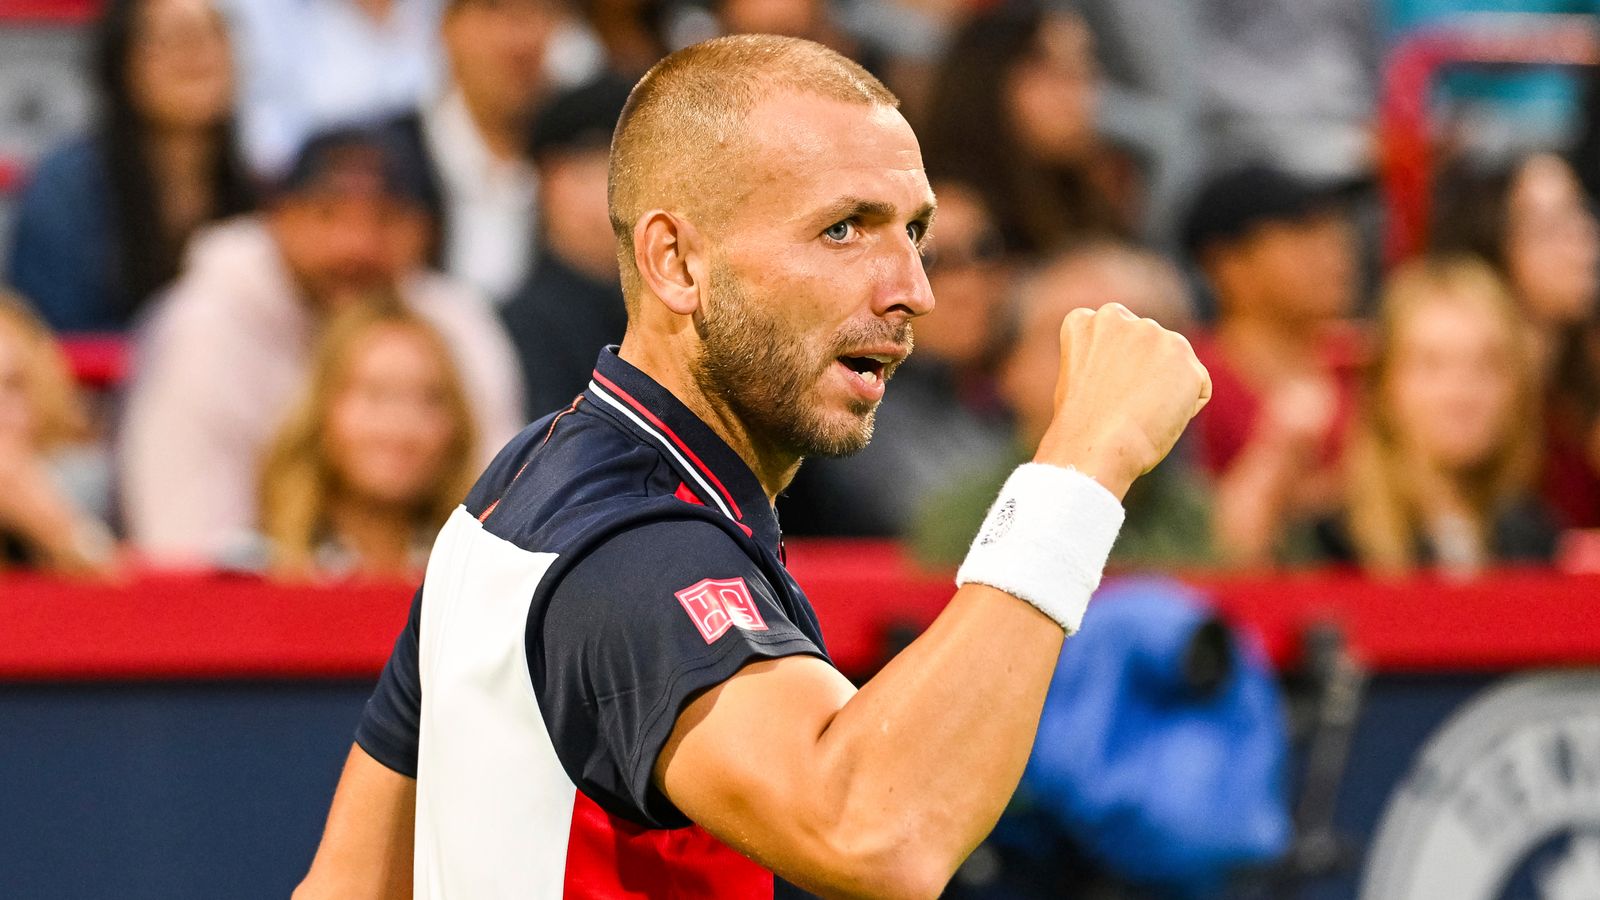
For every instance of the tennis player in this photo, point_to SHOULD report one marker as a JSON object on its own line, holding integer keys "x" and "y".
{"x": 609, "y": 686}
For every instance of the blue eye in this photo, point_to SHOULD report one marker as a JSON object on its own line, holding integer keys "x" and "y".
{"x": 839, "y": 231}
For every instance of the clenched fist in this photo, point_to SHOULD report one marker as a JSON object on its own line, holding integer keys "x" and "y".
{"x": 1126, "y": 389}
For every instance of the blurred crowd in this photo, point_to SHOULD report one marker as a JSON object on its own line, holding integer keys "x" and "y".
{"x": 354, "y": 245}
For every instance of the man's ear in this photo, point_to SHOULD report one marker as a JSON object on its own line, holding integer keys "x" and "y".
{"x": 671, "y": 255}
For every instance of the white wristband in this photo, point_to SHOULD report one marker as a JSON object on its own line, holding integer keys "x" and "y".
{"x": 1045, "y": 541}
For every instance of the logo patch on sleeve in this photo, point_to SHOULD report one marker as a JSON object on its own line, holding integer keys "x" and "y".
{"x": 717, "y": 604}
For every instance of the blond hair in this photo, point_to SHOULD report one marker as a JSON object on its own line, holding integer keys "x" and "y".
{"x": 298, "y": 480}
{"x": 62, "y": 418}
{"x": 682, "y": 131}
{"x": 1385, "y": 514}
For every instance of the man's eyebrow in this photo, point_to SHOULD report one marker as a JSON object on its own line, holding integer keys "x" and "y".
{"x": 862, "y": 207}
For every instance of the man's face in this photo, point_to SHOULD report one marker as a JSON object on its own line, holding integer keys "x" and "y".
{"x": 344, "y": 245}
{"x": 496, "y": 50}
{"x": 1304, "y": 270}
{"x": 817, "y": 273}
{"x": 572, "y": 200}
{"x": 967, "y": 268}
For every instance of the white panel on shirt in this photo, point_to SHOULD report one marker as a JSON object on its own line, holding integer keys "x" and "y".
{"x": 494, "y": 806}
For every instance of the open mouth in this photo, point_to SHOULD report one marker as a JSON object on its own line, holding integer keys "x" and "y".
{"x": 870, "y": 369}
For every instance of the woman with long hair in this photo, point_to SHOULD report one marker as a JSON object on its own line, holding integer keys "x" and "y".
{"x": 1529, "y": 219}
{"x": 1012, "y": 112}
{"x": 103, "y": 221}
{"x": 42, "y": 419}
{"x": 374, "y": 458}
{"x": 1441, "y": 462}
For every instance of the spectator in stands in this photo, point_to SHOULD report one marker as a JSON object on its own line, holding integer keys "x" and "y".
{"x": 104, "y": 220}
{"x": 473, "y": 139}
{"x": 1528, "y": 219}
{"x": 1168, "y": 519}
{"x": 809, "y": 19}
{"x": 1441, "y": 463}
{"x": 1280, "y": 256}
{"x": 1012, "y": 111}
{"x": 230, "y": 345}
{"x": 309, "y": 66}
{"x": 375, "y": 456}
{"x": 42, "y": 523}
{"x": 941, "y": 422}
{"x": 571, "y": 306}
{"x": 631, "y": 31}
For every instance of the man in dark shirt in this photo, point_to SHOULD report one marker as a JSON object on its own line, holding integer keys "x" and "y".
{"x": 607, "y": 648}
{"x": 571, "y": 306}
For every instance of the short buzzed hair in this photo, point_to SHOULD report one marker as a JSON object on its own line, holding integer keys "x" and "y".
{"x": 685, "y": 119}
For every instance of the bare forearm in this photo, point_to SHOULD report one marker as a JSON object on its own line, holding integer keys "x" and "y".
{"x": 931, "y": 749}
{"x": 366, "y": 848}
{"x": 934, "y": 745}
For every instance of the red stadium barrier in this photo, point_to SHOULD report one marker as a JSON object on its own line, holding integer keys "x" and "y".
{"x": 173, "y": 626}
{"x": 66, "y": 12}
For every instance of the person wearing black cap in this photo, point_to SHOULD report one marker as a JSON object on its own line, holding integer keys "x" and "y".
{"x": 1280, "y": 255}
{"x": 225, "y": 351}
{"x": 571, "y": 305}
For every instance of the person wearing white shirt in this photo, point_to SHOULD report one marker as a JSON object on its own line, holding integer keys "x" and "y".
{"x": 481, "y": 186}
{"x": 311, "y": 64}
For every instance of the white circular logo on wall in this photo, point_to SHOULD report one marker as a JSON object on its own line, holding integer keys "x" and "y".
{"x": 1503, "y": 803}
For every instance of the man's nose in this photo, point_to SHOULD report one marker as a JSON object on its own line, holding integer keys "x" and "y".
{"x": 903, "y": 288}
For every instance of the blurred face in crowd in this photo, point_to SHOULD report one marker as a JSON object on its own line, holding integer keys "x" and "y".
{"x": 1088, "y": 277}
{"x": 1453, "y": 381}
{"x": 1552, "y": 243}
{"x": 823, "y": 249}
{"x": 1027, "y": 374}
{"x": 1053, "y": 91}
{"x": 496, "y": 51}
{"x": 390, "y": 423}
{"x": 1293, "y": 271}
{"x": 794, "y": 18}
{"x": 966, "y": 269}
{"x": 348, "y": 242}
{"x": 572, "y": 199}
{"x": 180, "y": 71}
{"x": 17, "y": 417}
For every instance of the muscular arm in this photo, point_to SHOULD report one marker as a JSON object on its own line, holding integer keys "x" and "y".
{"x": 883, "y": 792}
{"x": 366, "y": 848}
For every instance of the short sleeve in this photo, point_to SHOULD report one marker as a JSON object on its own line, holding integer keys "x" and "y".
{"x": 390, "y": 722}
{"x": 635, "y": 630}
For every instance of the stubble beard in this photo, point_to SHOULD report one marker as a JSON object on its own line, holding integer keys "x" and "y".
{"x": 768, "y": 378}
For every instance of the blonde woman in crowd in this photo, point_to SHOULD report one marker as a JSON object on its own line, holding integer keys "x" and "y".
{"x": 1443, "y": 456}
{"x": 42, "y": 421}
{"x": 1529, "y": 218}
{"x": 376, "y": 455}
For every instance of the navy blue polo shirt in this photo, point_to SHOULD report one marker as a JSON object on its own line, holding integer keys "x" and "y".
{"x": 615, "y": 560}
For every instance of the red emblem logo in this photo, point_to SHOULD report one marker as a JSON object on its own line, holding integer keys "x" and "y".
{"x": 717, "y": 604}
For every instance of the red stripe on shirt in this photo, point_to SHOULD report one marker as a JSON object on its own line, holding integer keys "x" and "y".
{"x": 610, "y": 858}
{"x": 640, "y": 408}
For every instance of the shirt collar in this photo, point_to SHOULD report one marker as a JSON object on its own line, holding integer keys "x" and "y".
{"x": 713, "y": 474}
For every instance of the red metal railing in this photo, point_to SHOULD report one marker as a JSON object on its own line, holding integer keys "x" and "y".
{"x": 1405, "y": 113}
{"x": 166, "y": 626}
